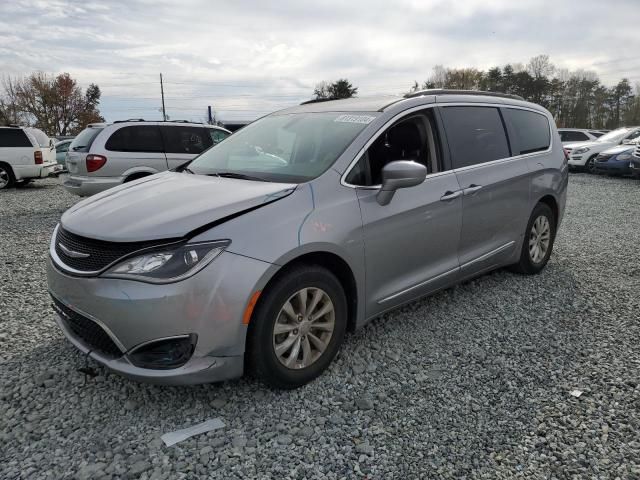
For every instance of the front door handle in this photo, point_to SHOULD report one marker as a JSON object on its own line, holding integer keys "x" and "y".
{"x": 471, "y": 189}
{"x": 449, "y": 195}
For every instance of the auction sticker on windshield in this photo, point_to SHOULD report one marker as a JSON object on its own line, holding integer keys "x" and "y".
{"x": 355, "y": 119}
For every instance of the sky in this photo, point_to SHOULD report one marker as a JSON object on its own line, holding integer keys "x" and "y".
{"x": 247, "y": 58}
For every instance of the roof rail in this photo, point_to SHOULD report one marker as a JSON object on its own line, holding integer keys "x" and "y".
{"x": 318, "y": 100}
{"x": 445, "y": 91}
{"x": 131, "y": 120}
{"x": 182, "y": 121}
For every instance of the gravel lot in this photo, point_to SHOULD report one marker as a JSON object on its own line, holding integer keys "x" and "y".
{"x": 473, "y": 382}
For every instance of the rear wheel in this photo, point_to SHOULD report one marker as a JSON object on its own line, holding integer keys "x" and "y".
{"x": 297, "y": 327}
{"x": 538, "y": 241}
{"x": 6, "y": 176}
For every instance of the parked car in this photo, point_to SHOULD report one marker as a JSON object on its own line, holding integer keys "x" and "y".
{"x": 105, "y": 155}
{"x": 574, "y": 135}
{"x": 61, "y": 151}
{"x": 634, "y": 164}
{"x": 262, "y": 252}
{"x": 616, "y": 160}
{"x": 583, "y": 155}
{"x": 25, "y": 153}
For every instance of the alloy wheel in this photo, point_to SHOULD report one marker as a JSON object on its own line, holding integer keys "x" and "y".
{"x": 304, "y": 328}
{"x": 591, "y": 166}
{"x": 539, "y": 239}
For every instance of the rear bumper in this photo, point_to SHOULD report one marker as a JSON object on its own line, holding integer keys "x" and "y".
{"x": 23, "y": 172}
{"x": 85, "y": 186}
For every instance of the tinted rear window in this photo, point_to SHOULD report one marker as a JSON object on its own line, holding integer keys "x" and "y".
{"x": 82, "y": 143}
{"x": 475, "y": 135}
{"x": 571, "y": 136}
{"x": 137, "y": 138}
{"x": 188, "y": 140}
{"x": 531, "y": 131}
{"x": 13, "y": 137}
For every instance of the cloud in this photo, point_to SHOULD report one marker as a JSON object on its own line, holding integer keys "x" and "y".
{"x": 249, "y": 57}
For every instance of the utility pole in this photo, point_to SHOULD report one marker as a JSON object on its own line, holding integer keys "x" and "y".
{"x": 164, "y": 113}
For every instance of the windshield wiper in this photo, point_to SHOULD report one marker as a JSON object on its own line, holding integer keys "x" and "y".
{"x": 188, "y": 170}
{"x": 240, "y": 176}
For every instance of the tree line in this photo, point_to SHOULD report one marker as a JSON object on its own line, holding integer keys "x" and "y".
{"x": 54, "y": 104}
{"x": 576, "y": 99}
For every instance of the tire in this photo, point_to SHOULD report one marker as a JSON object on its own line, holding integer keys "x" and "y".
{"x": 261, "y": 357}
{"x": 590, "y": 166}
{"x": 527, "y": 264}
{"x": 7, "y": 179}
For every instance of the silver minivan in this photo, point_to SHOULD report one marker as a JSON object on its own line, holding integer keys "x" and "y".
{"x": 105, "y": 155}
{"x": 262, "y": 252}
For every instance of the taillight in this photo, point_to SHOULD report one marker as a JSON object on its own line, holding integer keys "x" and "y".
{"x": 95, "y": 162}
{"x": 566, "y": 154}
{"x": 37, "y": 156}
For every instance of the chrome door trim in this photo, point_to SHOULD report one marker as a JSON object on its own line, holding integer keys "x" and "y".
{"x": 418, "y": 285}
{"x": 488, "y": 254}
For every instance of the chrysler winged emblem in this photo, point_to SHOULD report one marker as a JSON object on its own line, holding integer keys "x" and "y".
{"x": 70, "y": 253}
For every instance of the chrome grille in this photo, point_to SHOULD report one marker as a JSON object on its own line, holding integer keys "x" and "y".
{"x": 89, "y": 255}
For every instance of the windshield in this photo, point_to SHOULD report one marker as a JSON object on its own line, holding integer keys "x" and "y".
{"x": 614, "y": 136}
{"x": 85, "y": 138}
{"x": 284, "y": 148}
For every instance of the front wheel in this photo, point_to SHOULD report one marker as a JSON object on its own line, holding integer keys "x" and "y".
{"x": 6, "y": 177}
{"x": 538, "y": 241}
{"x": 590, "y": 166}
{"x": 297, "y": 327}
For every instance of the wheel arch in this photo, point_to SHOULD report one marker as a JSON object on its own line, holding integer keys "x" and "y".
{"x": 336, "y": 265}
{"x": 552, "y": 203}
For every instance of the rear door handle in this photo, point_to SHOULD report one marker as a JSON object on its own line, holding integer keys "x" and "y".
{"x": 449, "y": 195}
{"x": 471, "y": 189}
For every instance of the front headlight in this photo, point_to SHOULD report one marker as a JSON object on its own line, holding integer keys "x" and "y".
{"x": 581, "y": 150}
{"x": 623, "y": 156}
{"x": 170, "y": 264}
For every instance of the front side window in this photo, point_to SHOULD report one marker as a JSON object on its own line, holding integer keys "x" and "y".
{"x": 137, "y": 138}
{"x": 632, "y": 136}
{"x": 13, "y": 137}
{"x": 413, "y": 138}
{"x": 190, "y": 140}
{"x": 531, "y": 131}
{"x": 596, "y": 133}
{"x": 614, "y": 136}
{"x": 475, "y": 135}
{"x": 217, "y": 135}
{"x": 284, "y": 148}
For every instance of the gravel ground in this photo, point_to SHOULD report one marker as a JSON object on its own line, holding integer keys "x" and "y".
{"x": 473, "y": 382}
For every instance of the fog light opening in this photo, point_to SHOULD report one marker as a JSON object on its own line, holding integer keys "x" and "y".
{"x": 164, "y": 354}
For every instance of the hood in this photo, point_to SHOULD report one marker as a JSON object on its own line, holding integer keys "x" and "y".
{"x": 167, "y": 205}
{"x": 619, "y": 149}
{"x": 573, "y": 145}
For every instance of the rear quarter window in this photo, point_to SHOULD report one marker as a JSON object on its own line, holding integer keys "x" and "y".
{"x": 13, "y": 137}
{"x": 136, "y": 138}
{"x": 475, "y": 135}
{"x": 530, "y": 131}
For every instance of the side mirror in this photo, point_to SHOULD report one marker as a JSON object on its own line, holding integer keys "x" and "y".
{"x": 399, "y": 174}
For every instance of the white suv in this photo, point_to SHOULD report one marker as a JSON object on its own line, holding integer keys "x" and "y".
{"x": 25, "y": 153}
{"x": 582, "y": 155}
{"x": 106, "y": 155}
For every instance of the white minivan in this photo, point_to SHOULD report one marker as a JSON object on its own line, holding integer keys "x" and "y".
{"x": 25, "y": 153}
{"x": 106, "y": 155}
